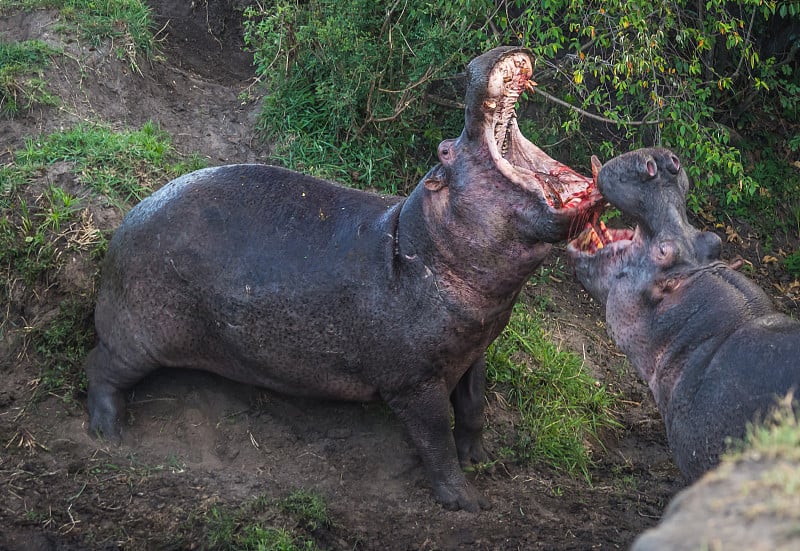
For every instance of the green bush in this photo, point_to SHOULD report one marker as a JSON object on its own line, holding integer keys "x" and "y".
{"x": 354, "y": 86}
{"x": 693, "y": 73}
{"x": 353, "y": 83}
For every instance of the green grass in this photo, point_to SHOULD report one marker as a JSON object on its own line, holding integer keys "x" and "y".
{"x": 776, "y": 436}
{"x": 792, "y": 264}
{"x": 21, "y": 67}
{"x": 308, "y": 508}
{"x": 62, "y": 346}
{"x": 263, "y": 524}
{"x": 125, "y": 24}
{"x": 123, "y": 166}
{"x": 562, "y": 406}
{"x": 43, "y": 226}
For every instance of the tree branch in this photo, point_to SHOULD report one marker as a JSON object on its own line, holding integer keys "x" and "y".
{"x": 592, "y": 115}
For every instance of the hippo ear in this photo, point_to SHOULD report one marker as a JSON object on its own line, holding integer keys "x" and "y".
{"x": 432, "y": 183}
{"x": 596, "y": 166}
{"x": 663, "y": 287}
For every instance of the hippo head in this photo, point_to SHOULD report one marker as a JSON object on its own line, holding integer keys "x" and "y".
{"x": 640, "y": 273}
{"x": 492, "y": 179}
{"x": 649, "y": 186}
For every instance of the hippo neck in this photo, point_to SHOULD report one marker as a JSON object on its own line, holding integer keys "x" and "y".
{"x": 472, "y": 267}
{"x": 715, "y": 303}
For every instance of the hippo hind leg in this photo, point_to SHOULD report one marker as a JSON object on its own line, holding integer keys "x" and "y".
{"x": 106, "y": 400}
{"x": 468, "y": 406}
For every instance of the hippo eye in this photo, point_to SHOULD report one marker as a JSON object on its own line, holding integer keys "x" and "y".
{"x": 444, "y": 152}
{"x": 665, "y": 253}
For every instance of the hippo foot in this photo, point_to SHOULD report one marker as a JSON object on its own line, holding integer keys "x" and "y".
{"x": 471, "y": 451}
{"x": 464, "y": 498}
{"x": 106, "y": 413}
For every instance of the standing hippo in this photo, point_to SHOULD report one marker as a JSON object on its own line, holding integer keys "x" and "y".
{"x": 705, "y": 338}
{"x": 277, "y": 279}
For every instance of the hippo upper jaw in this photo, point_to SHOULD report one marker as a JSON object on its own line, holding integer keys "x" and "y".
{"x": 495, "y": 82}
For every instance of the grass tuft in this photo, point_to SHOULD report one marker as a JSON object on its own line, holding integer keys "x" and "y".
{"x": 62, "y": 346}
{"x": 123, "y": 166}
{"x": 125, "y": 24}
{"x": 562, "y": 406}
{"x": 308, "y": 508}
{"x": 777, "y": 436}
{"x": 257, "y": 524}
{"x": 21, "y": 67}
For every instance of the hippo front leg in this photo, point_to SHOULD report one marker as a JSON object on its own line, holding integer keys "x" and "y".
{"x": 468, "y": 405}
{"x": 426, "y": 414}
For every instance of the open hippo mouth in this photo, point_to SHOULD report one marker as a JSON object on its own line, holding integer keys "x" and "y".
{"x": 650, "y": 186}
{"x": 515, "y": 157}
{"x": 597, "y": 236}
{"x": 598, "y": 256}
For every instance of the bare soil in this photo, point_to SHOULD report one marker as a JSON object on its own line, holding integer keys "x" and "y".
{"x": 197, "y": 441}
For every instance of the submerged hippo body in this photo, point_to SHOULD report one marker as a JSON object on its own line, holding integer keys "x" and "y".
{"x": 707, "y": 340}
{"x": 278, "y": 279}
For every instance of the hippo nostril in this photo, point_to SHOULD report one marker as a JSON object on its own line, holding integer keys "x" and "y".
{"x": 652, "y": 168}
{"x": 676, "y": 164}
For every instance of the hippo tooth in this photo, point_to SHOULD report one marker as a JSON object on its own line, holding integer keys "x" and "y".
{"x": 605, "y": 234}
{"x": 596, "y": 241}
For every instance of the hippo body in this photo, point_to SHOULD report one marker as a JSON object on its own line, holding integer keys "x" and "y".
{"x": 707, "y": 340}
{"x": 285, "y": 281}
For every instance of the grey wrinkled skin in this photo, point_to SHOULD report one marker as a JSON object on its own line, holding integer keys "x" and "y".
{"x": 278, "y": 279}
{"x": 707, "y": 340}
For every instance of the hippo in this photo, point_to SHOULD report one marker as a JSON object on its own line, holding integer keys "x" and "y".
{"x": 707, "y": 340}
{"x": 274, "y": 278}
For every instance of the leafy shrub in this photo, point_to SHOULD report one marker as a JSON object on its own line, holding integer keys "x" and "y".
{"x": 693, "y": 72}
{"x": 352, "y": 85}
{"x": 792, "y": 264}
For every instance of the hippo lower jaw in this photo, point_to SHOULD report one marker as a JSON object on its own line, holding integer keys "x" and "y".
{"x": 598, "y": 254}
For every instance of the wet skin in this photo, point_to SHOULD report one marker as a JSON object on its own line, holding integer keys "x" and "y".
{"x": 285, "y": 281}
{"x": 707, "y": 340}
